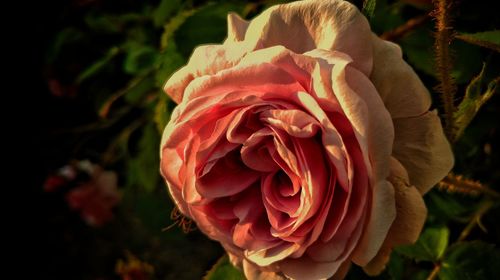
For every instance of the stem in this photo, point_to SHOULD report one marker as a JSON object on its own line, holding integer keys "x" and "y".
{"x": 434, "y": 272}
{"x": 402, "y": 30}
{"x": 458, "y": 184}
{"x": 484, "y": 44}
{"x": 476, "y": 219}
{"x": 447, "y": 87}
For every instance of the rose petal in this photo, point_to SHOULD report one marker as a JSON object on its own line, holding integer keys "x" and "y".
{"x": 400, "y": 88}
{"x": 236, "y": 27}
{"x": 410, "y": 218}
{"x": 254, "y": 272}
{"x": 317, "y": 24}
{"x": 295, "y": 122}
{"x": 421, "y": 146}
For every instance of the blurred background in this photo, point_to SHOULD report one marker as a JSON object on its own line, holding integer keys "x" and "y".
{"x": 98, "y": 207}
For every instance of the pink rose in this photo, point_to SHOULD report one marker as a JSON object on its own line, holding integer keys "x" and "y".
{"x": 303, "y": 143}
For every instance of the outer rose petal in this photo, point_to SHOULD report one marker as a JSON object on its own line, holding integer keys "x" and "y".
{"x": 421, "y": 146}
{"x": 400, "y": 88}
{"x": 316, "y": 24}
{"x": 336, "y": 25}
{"x": 207, "y": 59}
{"x": 410, "y": 218}
{"x": 236, "y": 28}
{"x": 254, "y": 272}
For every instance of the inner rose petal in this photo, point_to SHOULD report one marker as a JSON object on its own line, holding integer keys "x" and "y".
{"x": 227, "y": 177}
{"x": 295, "y": 122}
{"x": 257, "y": 149}
{"x": 274, "y": 185}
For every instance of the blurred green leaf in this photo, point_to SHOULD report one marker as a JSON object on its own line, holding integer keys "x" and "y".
{"x": 138, "y": 91}
{"x": 430, "y": 246}
{"x": 369, "y": 8}
{"x": 206, "y": 25}
{"x": 98, "y": 65}
{"x": 467, "y": 61}
{"x": 162, "y": 112}
{"x": 172, "y": 26}
{"x": 165, "y": 9}
{"x": 143, "y": 169}
{"x": 418, "y": 47}
{"x": 487, "y": 39}
{"x": 69, "y": 35}
{"x": 168, "y": 62}
{"x": 103, "y": 23}
{"x": 475, "y": 97}
{"x": 139, "y": 60}
{"x": 444, "y": 207}
{"x": 224, "y": 270}
{"x": 386, "y": 17}
{"x": 471, "y": 260}
{"x": 396, "y": 266}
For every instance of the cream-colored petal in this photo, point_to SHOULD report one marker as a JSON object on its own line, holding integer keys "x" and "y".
{"x": 402, "y": 91}
{"x": 421, "y": 146}
{"x": 254, "y": 272}
{"x": 205, "y": 60}
{"x": 316, "y": 24}
{"x": 236, "y": 27}
{"x": 410, "y": 218}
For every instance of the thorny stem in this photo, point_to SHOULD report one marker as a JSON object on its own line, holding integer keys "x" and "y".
{"x": 459, "y": 184}
{"x": 476, "y": 219}
{"x": 407, "y": 27}
{"x": 444, "y": 35}
{"x": 434, "y": 272}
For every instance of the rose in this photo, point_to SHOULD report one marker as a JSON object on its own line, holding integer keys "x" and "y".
{"x": 303, "y": 143}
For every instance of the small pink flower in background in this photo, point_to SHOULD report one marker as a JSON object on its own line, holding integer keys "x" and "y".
{"x": 303, "y": 143}
{"x": 95, "y": 197}
{"x": 62, "y": 177}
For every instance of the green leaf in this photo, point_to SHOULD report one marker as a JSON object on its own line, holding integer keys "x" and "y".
{"x": 487, "y": 39}
{"x": 172, "y": 26}
{"x": 430, "y": 246}
{"x": 98, "y": 65}
{"x": 140, "y": 60}
{"x": 143, "y": 169}
{"x": 103, "y": 23}
{"x": 369, "y": 8}
{"x": 471, "y": 260}
{"x": 418, "y": 47}
{"x": 224, "y": 270}
{"x": 391, "y": 17}
{"x": 135, "y": 93}
{"x": 467, "y": 61}
{"x": 444, "y": 207}
{"x": 168, "y": 61}
{"x": 475, "y": 97}
{"x": 164, "y": 10}
{"x": 396, "y": 266}
{"x": 67, "y": 36}
{"x": 162, "y": 112}
{"x": 208, "y": 24}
